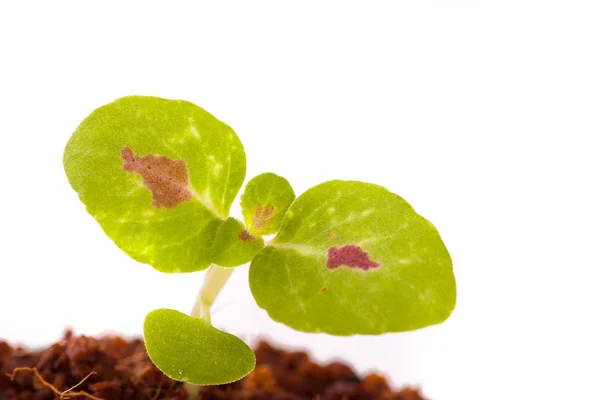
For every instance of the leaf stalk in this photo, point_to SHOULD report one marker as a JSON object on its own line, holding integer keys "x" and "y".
{"x": 214, "y": 280}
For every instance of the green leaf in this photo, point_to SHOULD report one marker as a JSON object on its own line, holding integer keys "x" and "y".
{"x": 192, "y": 350}
{"x": 264, "y": 203}
{"x": 354, "y": 258}
{"x": 234, "y": 245}
{"x": 159, "y": 176}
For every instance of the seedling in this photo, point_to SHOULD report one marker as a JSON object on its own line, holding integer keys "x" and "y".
{"x": 347, "y": 257}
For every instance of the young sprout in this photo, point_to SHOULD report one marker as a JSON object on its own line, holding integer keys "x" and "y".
{"x": 348, "y": 257}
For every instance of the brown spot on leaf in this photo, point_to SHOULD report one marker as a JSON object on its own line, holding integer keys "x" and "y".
{"x": 167, "y": 179}
{"x": 323, "y": 289}
{"x": 245, "y": 236}
{"x": 351, "y": 256}
{"x": 261, "y": 215}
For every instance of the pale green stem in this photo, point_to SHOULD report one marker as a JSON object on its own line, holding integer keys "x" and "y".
{"x": 192, "y": 391}
{"x": 214, "y": 280}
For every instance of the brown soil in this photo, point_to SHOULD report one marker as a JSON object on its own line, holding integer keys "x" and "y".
{"x": 80, "y": 367}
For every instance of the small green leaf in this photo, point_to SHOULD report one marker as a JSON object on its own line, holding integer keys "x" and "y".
{"x": 354, "y": 258}
{"x": 159, "y": 176}
{"x": 191, "y": 350}
{"x": 234, "y": 245}
{"x": 264, "y": 203}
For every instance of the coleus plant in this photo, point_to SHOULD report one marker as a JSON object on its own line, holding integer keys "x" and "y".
{"x": 347, "y": 257}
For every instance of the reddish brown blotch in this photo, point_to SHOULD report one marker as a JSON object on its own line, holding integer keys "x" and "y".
{"x": 245, "y": 236}
{"x": 167, "y": 179}
{"x": 351, "y": 256}
{"x": 261, "y": 215}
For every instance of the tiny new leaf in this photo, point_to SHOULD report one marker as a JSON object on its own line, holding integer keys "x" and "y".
{"x": 192, "y": 350}
{"x": 265, "y": 200}
{"x": 354, "y": 258}
{"x": 159, "y": 176}
{"x": 234, "y": 245}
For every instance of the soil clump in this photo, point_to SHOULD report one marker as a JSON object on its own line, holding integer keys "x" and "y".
{"x": 112, "y": 368}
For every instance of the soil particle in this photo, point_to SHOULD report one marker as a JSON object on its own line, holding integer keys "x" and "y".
{"x": 120, "y": 369}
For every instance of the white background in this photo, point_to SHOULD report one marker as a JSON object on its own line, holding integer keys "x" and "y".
{"x": 483, "y": 115}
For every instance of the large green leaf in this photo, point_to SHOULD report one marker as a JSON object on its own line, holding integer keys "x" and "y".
{"x": 159, "y": 176}
{"x": 234, "y": 245}
{"x": 354, "y": 258}
{"x": 192, "y": 350}
{"x": 265, "y": 200}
